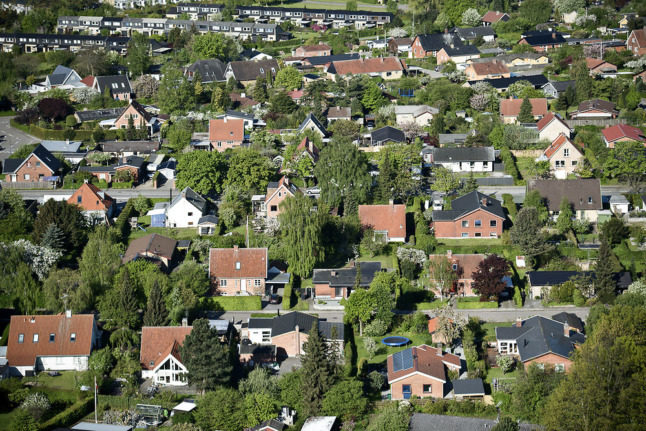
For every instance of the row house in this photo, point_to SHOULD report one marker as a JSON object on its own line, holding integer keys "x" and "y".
{"x": 31, "y": 43}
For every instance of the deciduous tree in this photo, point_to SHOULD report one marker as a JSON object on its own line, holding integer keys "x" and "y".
{"x": 345, "y": 400}
{"x": 138, "y": 57}
{"x": 564, "y": 220}
{"x": 202, "y": 171}
{"x": 444, "y": 180}
{"x": 289, "y": 78}
{"x": 627, "y": 162}
{"x": 249, "y": 170}
{"x": 67, "y": 217}
{"x": 487, "y": 278}
{"x": 526, "y": 233}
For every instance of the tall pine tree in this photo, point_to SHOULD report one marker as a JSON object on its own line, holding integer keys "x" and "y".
{"x": 525, "y": 115}
{"x": 319, "y": 365}
{"x": 156, "y": 313}
{"x": 604, "y": 284}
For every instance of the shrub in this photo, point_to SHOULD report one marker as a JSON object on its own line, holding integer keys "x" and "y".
{"x": 518, "y": 297}
{"x": 370, "y": 346}
{"x": 37, "y": 404}
{"x": 508, "y": 202}
{"x": 577, "y": 298}
{"x": 505, "y": 362}
{"x": 375, "y": 381}
{"x": 376, "y": 328}
{"x": 70, "y": 416}
{"x": 363, "y": 367}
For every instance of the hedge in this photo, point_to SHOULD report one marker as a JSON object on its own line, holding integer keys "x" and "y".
{"x": 79, "y": 135}
{"x": 232, "y": 303}
{"x": 125, "y": 185}
{"x": 518, "y": 298}
{"x": 290, "y": 299}
{"x": 508, "y": 202}
{"x": 70, "y": 415}
{"x": 122, "y": 224}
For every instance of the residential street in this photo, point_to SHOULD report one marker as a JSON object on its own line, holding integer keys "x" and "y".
{"x": 11, "y": 139}
{"x": 121, "y": 195}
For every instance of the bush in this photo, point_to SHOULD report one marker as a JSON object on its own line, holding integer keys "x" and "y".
{"x": 232, "y": 303}
{"x": 508, "y": 202}
{"x": 416, "y": 323}
{"x": 505, "y": 362}
{"x": 518, "y": 297}
{"x": 363, "y": 367}
{"x": 122, "y": 224}
{"x": 70, "y": 416}
{"x": 375, "y": 381}
{"x": 183, "y": 418}
{"x": 578, "y": 298}
{"x": 376, "y": 328}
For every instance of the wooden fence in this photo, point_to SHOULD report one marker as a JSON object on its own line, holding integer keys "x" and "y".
{"x": 595, "y": 122}
{"x": 24, "y": 185}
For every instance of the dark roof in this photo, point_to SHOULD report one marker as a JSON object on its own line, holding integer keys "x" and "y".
{"x": 134, "y": 161}
{"x": 273, "y": 423}
{"x": 570, "y": 318}
{"x": 97, "y": 168}
{"x": 318, "y": 124}
{"x": 130, "y": 146}
{"x": 325, "y": 59}
{"x": 346, "y": 277}
{"x": 553, "y": 278}
{"x": 436, "y": 41}
{"x": 259, "y": 322}
{"x": 10, "y": 165}
{"x": 99, "y": 114}
{"x": 121, "y": 81}
{"x": 464, "y": 154}
{"x": 561, "y": 86}
{"x": 192, "y": 197}
{"x": 59, "y": 75}
{"x": 473, "y": 32}
{"x": 387, "y": 133}
{"x": 469, "y": 203}
{"x": 461, "y": 49}
{"x": 250, "y": 70}
{"x": 209, "y": 218}
{"x": 287, "y": 323}
{"x": 210, "y": 70}
{"x": 468, "y": 387}
{"x": 503, "y": 83}
{"x": 239, "y": 114}
{"x": 426, "y": 422}
{"x": 583, "y": 194}
{"x": 543, "y": 336}
{"x": 540, "y": 38}
{"x": 594, "y": 104}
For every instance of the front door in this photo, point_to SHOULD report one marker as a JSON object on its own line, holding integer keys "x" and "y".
{"x": 243, "y": 286}
{"x": 406, "y": 391}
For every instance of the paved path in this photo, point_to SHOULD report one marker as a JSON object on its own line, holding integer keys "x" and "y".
{"x": 121, "y": 195}
{"x": 11, "y": 139}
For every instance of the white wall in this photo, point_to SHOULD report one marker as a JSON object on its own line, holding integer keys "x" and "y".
{"x": 62, "y": 363}
{"x": 465, "y": 167}
{"x": 177, "y": 215}
{"x": 255, "y": 335}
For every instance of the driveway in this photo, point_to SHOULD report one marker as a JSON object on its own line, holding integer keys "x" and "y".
{"x": 11, "y": 139}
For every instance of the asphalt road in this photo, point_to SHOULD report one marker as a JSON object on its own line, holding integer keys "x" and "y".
{"x": 11, "y": 139}
{"x": 121, "y": 195}
{"x": 518, "y": 192}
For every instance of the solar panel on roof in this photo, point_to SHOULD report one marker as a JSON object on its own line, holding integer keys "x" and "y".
{"x": 397, "y": 361}
{"x": 403, "y": 360}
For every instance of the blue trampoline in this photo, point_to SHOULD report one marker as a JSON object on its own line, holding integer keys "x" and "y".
{"x": 395, "y": 341}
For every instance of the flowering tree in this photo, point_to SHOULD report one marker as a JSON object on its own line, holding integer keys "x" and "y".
{"x": 449, "y": 323}
{"x": 471, "y": 17}
{"x": 40, "y": 259}
{"x": 84, "y": 94}
{"x": 36, "y": 404}
{"x": 397, "y": 32}
{"x": 479, "y": 101}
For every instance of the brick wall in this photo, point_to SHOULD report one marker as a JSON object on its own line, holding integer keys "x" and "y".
{"x": 550, "y": 359}
{"x": 34, "y": 168}
{"x": 417, "y": 383}
{"x": 326, "y": 290}
{"x": 291, "y": 342}
{"x": 454, "y": 229}
{"x": 234, "y": 286}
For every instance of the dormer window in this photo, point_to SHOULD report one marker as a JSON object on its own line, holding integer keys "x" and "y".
{"x": 237, "y": 265}
{"x": 73, "y": 337}
{"x": 21, "y": 338}
{"x": 52, "y": 338}
{"x": 454, "y": 267}
{"x": 589, "y": 199}
{"x": 35, "y": 339}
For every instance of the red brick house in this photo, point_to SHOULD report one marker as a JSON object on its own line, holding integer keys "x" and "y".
{"x": 140, "y": 117}
{"x": 598, "y": 66}
{"x": 94, "y": 202}
{"x": 238, "y": 271}
{"x": 336, "y": 284}
{"x": 319, "y": 50}
{"x": 492, "y": 17}
{"x": 464, "y": 265}
{"x": 420, "y": 371}
{"x": 636, "y": 42}
{"x": 622, "y": 133}
{"x": 474, "y": 215}
{"x": 118, "y": 86}
{"x": 225, "y": 133}
{"x": 387, "y": 220}
{"x": 510, "y": 109}
{"x": 277, "y": 192}
{"x": 39, "y": 166}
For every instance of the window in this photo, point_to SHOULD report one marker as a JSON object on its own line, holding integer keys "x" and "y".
{"x": 589, "y": 199}
{"x": 257, "y": 282}
{"x": 559, "y": 163}
{"x": 273, "y": 208}
{"x": 454, "y": 267}
{"x": 478, "y": 223}
{"x": 427, "y": 389}
{"x": 465, "y": 235}
{"x": 73, "y": 337}
{"x": 35, "y": 339}
{"x": 237, "y": 265}
{"x": 575, "y": 162}
{"x": 223, "y": 283}
{"x": 559, "y": 368}
{"x": 493, "y": 223}
{"x": 37, "y": 164}
{"x": 478, "y": 234}
{"x": 190, "y": 214}
{"x": 27, "y": 177}
{"x": 566, "y": 152}
{"x": 21, "y": 338}
{"x": 465, "y": 223}
{"x": 266, "y": 336}
{"x": 52, "y": 338}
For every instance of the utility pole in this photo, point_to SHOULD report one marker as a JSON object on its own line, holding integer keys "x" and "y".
{"x": 96, "y": 419}
{"x": 247, "y": 233}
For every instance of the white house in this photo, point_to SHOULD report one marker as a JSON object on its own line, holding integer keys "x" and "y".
{"x": 186, "y": 209}
{"x": 159, "y": 354}
{"x": 61, "y": 342}
{"x": 619, "y": 204}
{"x": 463, "y": 159}
{"x": 422, "y": 115}
{"x": 551, "y": 126}
{"x": 64, "y": 78}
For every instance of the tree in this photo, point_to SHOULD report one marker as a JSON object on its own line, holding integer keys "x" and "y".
{"x": 302, "y": 234}
{"x": 15, "y": 220}
{"x": 628, "y": 163}
{"x": 179, "y": 135}
{"x": 359, "y": 307}
{"x": 145, "y": 87}
{"x": 119, "y": 306}
{"x": 67, "y": 218}
{"x": 444, "y": 180}
{"x": 206, "y": 359}
{"x": 346, "y": 130}
{"x": 259, "y": 407}
{"x": 220, "y": 100}
{"x": 192, "y": 276}
{"x": 382, "y": 288}
{"x": 487, "y": 278}
{"x": 442, "y": 274}
{"x": 471, "y": 17}
{"x": 470, "y": 185}
{"x": 372, "y": 98}
{"x": 342, "y": 171}
{"x": 526, "y": 233}
{"x": 156, "y": 313}
{"x": 449, "y": 323}
{"x": 371, "y": 346}
{"x": 604, "y": 284}
{"x": 176, "y": 94}
{"x": 564, "y": 220}
{"x": 260, "y": 90}
{"x": 138, "y": 57}
{"x": 53, "y": 109}
{"x": 234, "y": 206}
{"x": 536, "y": 11}
{"x": 61, "y": 290}
{"x": 24, "y": 421}
{"x": 532, "y": 389}
{"x": 345, "y": 400}
{"x": 220, "y": 409}
{"x": 258, "y": 381}
{"x": 614, "y": 231}
{"x": 390, "y": 418}
{"x": 202, "y": 171}
{"x": 281, "y": 103}
{"x": 525, "y": 115}
{"x": 506, "y": 424}
{"x": 249, "y": 170}
{"x": 288, "y": 78}
{"x": 319, "y": 365}
{"x": 53, "y": 237}
{"x": 535, "y": 200}
{"x": 584, "y": 82}
{"x": 505, "y": 362}
{"x": 213, "y": 45}
{"x": 92, "y": 62}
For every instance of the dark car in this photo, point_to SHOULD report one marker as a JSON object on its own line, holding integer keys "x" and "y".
{"x": 275, "y": 299}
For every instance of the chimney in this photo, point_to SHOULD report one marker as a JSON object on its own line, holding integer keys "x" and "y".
{"x": 235, "y": 248}
{"x": 298, "y": 338}
{"x": 184, "y": 321}
{"x": 449, "y": 253}
{"x": 243, "y": 95}
{"x": 566, "y": 329}
{"x": 67, "y": 141}
{"x": 68, "y": 313}
{"x": 484, "y": 202}
{"x": 519, "y": 322}
{"x": 391, "y": 202}
{"x": 439, "y": 352}
{"x": 554, "y": 36}
{"x": 225, "y": 119}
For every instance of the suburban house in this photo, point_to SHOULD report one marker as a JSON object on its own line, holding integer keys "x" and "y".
{"x": 277, "y": 192}
{"x": 69, "y": 150}
{"x": 503, "y": 84}
{"x": 436, "y": 336}
{"x": 539, "y": 340}
{"x": 269, "y": 425}
{"x": 246, "y": 72}
{"x": 399, "y": 45}
{"x": 339, "y": 113}
{"x": 386, "y": 135}
{"x": 463, "y": 159}
{"x": 573, "y": 321}
{"x": 209, "y": 71}
{"x": 117, "y": 86}
{"x": 388, "y": 221}
{"x": 312, "y": 50}
{"x": 39, "y": 166}
{"x": 98, "y": 114}
{"x": 224, "y": 133}
{"x": 594, "y": 109}
{"x": 464, "y": 265}
{"x": 564, "y": 157}
{"x": 130, "y": 148}
{"x": 470, "y": 34}
{"x": 249, "y": 120}
{"x": 185, "y": 210}
{"x": 422, "y": 115}
{"x": 140, "y": 118}
{"x": 622, "y": 133}
{"x": 542, "y": 41}
{"x": 457, "y": 53}
{"x": 153, "y": 247}
{"x": 554, "y": 89}
{"x": 420, "y": 371}
{"x": 598, "y": 66}
{"x": 159, "y": 354}
{"x": 238, "y": 271}
{"x": 492, "y": 17}
{"x": 584, "y": 195}
{"x": 288, "y": 332}
{"x": 428, "y": 45}
{"x": 474, "y": 215}
{"x": 486, "y": 70}
{"x": 551, "y": 127}
{"x": 64, "y": 78}
{"x": 510, "y": 109}
{"x": 307, "y": 148}
{"x": 387, "y": 68}
{"x": 337, "y": 284}
{"x": 636, "y": 42}
{"x": 60, "y": 342}
{"x": 541, "y": 282}
{"x": 312, "y": 124}
{"x": 95, "y": 203}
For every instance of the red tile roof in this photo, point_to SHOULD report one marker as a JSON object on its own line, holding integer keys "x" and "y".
{"x": 543, "y": 122}
{"x": 492, "y": 17}
{"x": 88, "y": 80}
{"x": 314, "y": 48}
{"x": 432, "y": 324}
{"x": 621, "y": 131}
{"x": 594, "y": 63}
{"x": 640, "y": 37}
{"x": 253, "y": 262}
{"x": 310, "y": 147}
{"x": 467, "y": 263}
{"x": 369, "y": 65}
{"x": 63, "y": 327}
{"x": 242, "y": 101}
{"x": 157, "y": 342}
{"x": 92, "y": 198}
{"x": 296, "y": 94}
{"x": 511, "y": 107}
{"x": 390, "y": 218}
{"x": 490, "y": 68}
{"x": 154, "y": 244}
{"x": 226, "y": 130}
{"x": 426, "y": 360}
{"x": 556, "y": 144}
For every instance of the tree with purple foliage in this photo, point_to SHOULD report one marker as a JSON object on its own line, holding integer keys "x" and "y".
{"x": 53, "y": 109}
{"x": 487, "y": 278}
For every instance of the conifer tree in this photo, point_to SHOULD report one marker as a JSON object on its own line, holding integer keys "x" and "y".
{"x": 156, "y": 313}
{"x": 604, "y": 284}
{"x": 525, "y": 114}
{"x": 54, "y": 237}
{"x": 319, "y": 365}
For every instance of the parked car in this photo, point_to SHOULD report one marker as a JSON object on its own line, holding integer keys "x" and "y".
{"x": 275, "y": 299}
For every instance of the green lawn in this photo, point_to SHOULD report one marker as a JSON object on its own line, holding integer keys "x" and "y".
{"x": 525, "y": 164}
{"x": 175, "y": 233}
{"x": 430, "y": 305}
{"x": 469, "y": 242}
{"x": 496, "y": 373}
{"x": 473, "y": 303}
{"x": 490, "y": 329}
{"x": 385, "y": 259}
{"x": 384, "y": 351}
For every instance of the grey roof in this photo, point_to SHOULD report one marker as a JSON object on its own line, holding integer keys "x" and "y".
{"x": 98, "y": 114}
{"x": 436, "y": 41}
{"x": 130, "y": 146}
{"x": 59, "y": 75}
{"x": 192, "y": 197}
{"x": 121, "y": 81}
{"x": 272, "y": 423}
{"x": 288, "y": 322}
{"x": 468, "y": 203}
{"x": 211, "y": 70}
{"x": 426, "y": 422}
{"x": 387, "y": 133}
{"x": 346, "y": 277}
{"x": 10, "y": 165}
{"x": 468, "y": 387}
{"x": 239, "y": 114}
{"x": 315, "y": 120}
{"x": 473, "y": 32}
{"x": 134, "y": 161}
{"x": 578, "y": 192}
{"x": 543, "y": 336}
{"x": 461, "y": 49}
{"x": 97, "y": 168}
{"x": 503, "y": 83}
{"x": 539, "y": 38}
{"x": 464, "y": 154}
{"x": 570, "y": 318}
{"x": 62, "y": 146}
{"x": 452, "y": 138}
{"x": 325, "y": 59}
{"x": 207, "y": 219}
{"x": 88, "y": 426}
{"x": 561, "y": 86}
{"x": 250, "y": 70}
{"x": 553, "y": 278}
{"x": 260, "y": 322}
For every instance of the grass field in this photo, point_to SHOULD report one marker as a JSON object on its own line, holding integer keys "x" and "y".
{"x": 384, "y": 351}
{"x": 496, "y": 373}
{"x": 490, "y": 329}
{"x": 473, "y": 303}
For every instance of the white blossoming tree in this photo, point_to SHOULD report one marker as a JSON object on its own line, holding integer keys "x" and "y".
{"x": 471, "y": 17}
{"x": 40, "y": 259}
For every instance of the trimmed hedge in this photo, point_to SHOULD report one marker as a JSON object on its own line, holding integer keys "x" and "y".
{"x": 232, "y": 303}
{"x": 122, "y": 224}
{"x": 508, "y": 202}
{"x": 79, "y": 135}
{"x": 290, "y": 299}
{"x": 69, "y": 416}
{"x": 126, "y": 185}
